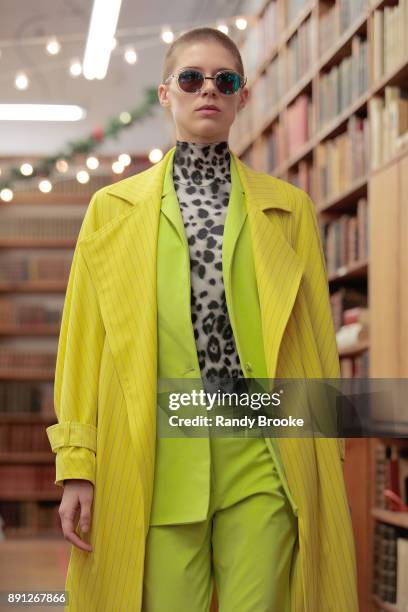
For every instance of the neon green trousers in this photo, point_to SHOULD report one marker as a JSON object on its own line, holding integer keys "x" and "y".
{"x": 246, "y": 544}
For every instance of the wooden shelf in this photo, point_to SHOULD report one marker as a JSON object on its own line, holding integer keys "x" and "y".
{"x": 31, "y": 418}
{"x": 353, "y": 271}
{"x": 342, "y": 201}
{"x": 27, "y": 374}
{"x": 29, "y": 330}
{"x": 37, "y": 243}
{"x": 31, "y": 495}
{"x": 27, "y": 457}
{"x": 31, "y": 533}
{"x": 34, "y": 287}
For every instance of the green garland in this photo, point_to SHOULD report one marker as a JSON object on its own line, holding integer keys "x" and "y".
{"x": 46, "y": 166}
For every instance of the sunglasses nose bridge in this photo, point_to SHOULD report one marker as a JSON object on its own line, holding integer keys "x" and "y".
{"x": 210, "y": 80}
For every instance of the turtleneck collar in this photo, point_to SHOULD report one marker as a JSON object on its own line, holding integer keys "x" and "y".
{"x": 197, "y": 163}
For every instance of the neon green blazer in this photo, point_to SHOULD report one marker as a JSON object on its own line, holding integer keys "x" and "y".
{"x": 106, "y": 382}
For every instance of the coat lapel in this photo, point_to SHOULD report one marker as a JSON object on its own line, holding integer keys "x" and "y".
{"x": 278, "y": 267}
{"x": 121, "y": 257}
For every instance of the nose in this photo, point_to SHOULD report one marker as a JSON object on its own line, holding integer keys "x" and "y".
{"x": 209, "y": 86}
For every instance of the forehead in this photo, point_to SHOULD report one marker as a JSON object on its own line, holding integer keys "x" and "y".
{"x": 208, "y": 55}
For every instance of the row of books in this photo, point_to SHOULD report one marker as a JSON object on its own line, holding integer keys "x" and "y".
{"x": 336, "y": 19}
{"x": 344, "y": 301}
{"x": 342, "y": 160}
{"x": 303, "y": 176}
{"x": 30, "y": 397}
{"x": 34, "y": 266}
{"x": 23, "y": 438}
{"x": 390, "y": 41}
{"x": 349, "y": 12}
{"x": 260, "y": 39}
{"x": 345, "y": 239}
{"x": 265, "y": 94}
{"x": 24, "y": 478}
{"x": 389, "y": 123}
{"x": 299, "y": 54}
{"x": 42, "y": 515}
{"x": 55, "y": 228}
{"x": 343, "y": 83}
{"x": 293, "y": 8}
{"x": 391, "y": 565}
{"x": 391, "y": 474}
{"x": 18, "y": 312}
{"x": 12, "y": 359}
{"x": 298, "y": 124}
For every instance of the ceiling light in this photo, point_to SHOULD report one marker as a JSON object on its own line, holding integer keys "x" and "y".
{"x": 21, "y": 81}
{"x": 75, "y": 68}
{"x": 41, "y": 112}
{"x": 124, "y": 159}
{"x": 241, "y": 23}
{"x": 45, "y": 186}
{"x": 155, "y": 155}
{"x": 6, "y": 195}
{"x": 26, "y": 169}
{"x": 82, "y": 176}
{"x": 167, "y": 35}
{"x": 53, "y": 46}
{"x": 223, "y": 28}
{"x": 61, "y": 165}
{"x": 130, "y": 56}
{"x": 92, "y": 163}
{"x": 125, "y": 117}
{"x": 117, "y": 167}
{"x": 102, "y": 28}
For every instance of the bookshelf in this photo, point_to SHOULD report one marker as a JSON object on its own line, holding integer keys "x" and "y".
{"x": 328, "y": 112}
{"x": 38, "y": 233}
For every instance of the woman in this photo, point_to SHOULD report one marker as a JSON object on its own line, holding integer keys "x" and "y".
{"x": 158, "y": 517}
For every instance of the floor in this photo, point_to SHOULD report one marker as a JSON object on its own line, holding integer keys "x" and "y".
{"x": 31, "y": 564}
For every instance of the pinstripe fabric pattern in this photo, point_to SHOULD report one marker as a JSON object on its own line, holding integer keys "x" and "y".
{"x": 106, "y": 382}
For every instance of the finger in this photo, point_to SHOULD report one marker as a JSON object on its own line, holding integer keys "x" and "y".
{"x": 67, "y": 522}
{"x": 85, "y": 518}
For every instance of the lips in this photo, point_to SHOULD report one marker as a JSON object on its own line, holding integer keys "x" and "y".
{"x": 208, "y": 107}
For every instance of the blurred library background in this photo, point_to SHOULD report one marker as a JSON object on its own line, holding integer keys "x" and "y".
{"x": 328, "y": 112}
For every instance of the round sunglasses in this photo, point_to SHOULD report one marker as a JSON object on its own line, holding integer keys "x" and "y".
{"x": 191, "y": 80}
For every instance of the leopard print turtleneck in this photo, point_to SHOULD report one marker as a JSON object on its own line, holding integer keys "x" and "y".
{"x": 202, "y": 180}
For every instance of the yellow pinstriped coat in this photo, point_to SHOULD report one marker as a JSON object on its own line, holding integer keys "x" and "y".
{"x": 106, "y": 375}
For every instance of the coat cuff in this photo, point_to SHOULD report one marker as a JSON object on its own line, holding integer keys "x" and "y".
{"x": 75, "y": 447}
{"x": 71, "y": 433}
{"x": 74, "y": 462}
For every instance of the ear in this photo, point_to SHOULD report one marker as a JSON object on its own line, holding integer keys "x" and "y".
{"x": 163, "y": 95}
{"x": 244, "y": 95}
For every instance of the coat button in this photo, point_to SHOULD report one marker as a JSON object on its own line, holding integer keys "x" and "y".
{"x": 248, "y": 366}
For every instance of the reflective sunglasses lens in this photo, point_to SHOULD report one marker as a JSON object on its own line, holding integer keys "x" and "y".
{"x": 190, "y": 80}
{"x": 228, "y": 82}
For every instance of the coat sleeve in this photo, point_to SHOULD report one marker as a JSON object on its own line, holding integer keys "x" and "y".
{"x": 317, "y": 295}
{"x": 80, "y": 345}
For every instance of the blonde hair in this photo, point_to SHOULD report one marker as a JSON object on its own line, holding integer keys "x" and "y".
{"x": 200, "y": 35}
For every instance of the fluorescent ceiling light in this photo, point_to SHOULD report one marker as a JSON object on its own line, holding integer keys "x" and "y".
{"x": 41, "y": 112}
{"x": 102, "y": 28}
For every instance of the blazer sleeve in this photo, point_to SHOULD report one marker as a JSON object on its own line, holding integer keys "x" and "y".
{"x": 317, "y": 294}
{"x": 80, "y": 344}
